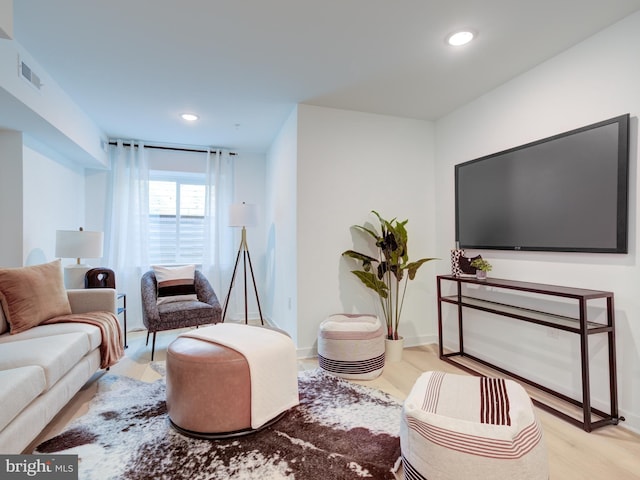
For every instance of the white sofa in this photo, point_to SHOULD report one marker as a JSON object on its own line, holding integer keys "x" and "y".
{"x": 42, "y": 368}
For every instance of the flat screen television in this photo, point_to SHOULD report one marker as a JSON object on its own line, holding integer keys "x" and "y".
{"x": 566, "y": 193}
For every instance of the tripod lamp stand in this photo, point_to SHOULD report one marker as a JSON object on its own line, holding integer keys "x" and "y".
{"x": 243, "y": 215}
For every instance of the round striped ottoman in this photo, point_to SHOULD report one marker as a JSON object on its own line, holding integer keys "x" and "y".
{"x": 457, "y": 426}
{"x": 351, "y": 346}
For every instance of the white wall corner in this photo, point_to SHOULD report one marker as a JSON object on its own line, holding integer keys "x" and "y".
{"x": 6, "y": 19}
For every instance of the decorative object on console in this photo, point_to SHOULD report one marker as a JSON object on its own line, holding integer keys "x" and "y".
{"x": 78, "y": 244}
{"x": 482, "y": 267}
{"x": 456, "y": 271}
{"x": 243, "y": 215}
{"x": 461, "y": 265}
{"x": 393, "y": 269}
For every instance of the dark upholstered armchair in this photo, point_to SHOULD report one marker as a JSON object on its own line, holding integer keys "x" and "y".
{"x": 167, "y": 316}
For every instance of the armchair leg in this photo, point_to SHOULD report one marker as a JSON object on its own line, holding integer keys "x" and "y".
{"x": 153, "y": 345}
{"x": 147, "y": 343}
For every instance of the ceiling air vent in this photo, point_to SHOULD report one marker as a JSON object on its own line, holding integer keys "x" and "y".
{"x": 29, "y": 75}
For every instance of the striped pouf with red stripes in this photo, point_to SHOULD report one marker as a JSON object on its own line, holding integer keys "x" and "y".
{"x": 351, "y": 346}
{"x": 463, "y": 427}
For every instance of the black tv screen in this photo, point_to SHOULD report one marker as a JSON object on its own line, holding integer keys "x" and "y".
{"x": 565, "y": 193}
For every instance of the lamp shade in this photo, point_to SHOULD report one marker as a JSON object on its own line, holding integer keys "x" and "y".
{"x": 79, "y": 244}
{"x": 243, "y": 215}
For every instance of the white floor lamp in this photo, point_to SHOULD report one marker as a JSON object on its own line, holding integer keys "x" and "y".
{"x": 243, "y": 215}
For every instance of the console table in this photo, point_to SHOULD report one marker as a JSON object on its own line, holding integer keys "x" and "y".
{"x": 464, "y": 299}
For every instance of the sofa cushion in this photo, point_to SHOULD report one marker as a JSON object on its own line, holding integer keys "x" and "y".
{"x": 92, "y": 332}
{"x": 56, "y": 355}
{"x": 30, "y": 295}
{"x": 20, "y": 386}
{"x": 175, "y": 284}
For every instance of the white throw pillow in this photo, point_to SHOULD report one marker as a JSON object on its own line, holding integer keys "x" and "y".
{"x": 175, "y": 284}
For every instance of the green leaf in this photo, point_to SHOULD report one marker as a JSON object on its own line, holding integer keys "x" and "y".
{"x": 413, "y": 267}
{"x": 365, "y": 259}
{"x": 358, "y": 256}
{"x": 373, "y": 233}
{"x": 372, "y": 282}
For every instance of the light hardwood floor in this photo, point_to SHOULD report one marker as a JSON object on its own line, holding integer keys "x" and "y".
{"x": 611, "y": 452}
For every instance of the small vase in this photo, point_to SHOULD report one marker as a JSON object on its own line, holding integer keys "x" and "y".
{"x": 393, "y": 350}
{"x": 481, "y": 274}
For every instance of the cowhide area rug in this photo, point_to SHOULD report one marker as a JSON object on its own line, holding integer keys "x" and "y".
{"x": 340, "y": 430}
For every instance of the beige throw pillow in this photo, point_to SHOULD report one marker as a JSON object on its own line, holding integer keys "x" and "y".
{"x": 31, "y": 295}
{"x": 175, "y": 284}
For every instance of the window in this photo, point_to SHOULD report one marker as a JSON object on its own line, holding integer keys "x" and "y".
{"x": 176, "y": 217}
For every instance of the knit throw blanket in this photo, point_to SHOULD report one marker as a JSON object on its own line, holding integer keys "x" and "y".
{"x": 111, "y": 347}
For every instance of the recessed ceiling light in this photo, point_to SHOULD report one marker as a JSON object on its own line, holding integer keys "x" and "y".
{"x": 189, "y": 117}
{"x": 460, "y": 38}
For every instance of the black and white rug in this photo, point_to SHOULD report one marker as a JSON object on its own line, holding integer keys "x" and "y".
{"x": 339, "y": 431}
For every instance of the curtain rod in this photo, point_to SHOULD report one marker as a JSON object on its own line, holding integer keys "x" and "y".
{"x": 179, "y": 149}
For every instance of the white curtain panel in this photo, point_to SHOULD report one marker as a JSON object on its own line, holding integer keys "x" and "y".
{"x": 127, "y": 239}
{"x": 219, "y": 257}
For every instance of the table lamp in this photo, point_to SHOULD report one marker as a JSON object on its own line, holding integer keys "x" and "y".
{"x": 78, "y": 244}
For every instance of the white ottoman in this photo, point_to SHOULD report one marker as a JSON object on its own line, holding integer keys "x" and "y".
{"x": 351, "y": 346}
{"x": 461, "y": 427}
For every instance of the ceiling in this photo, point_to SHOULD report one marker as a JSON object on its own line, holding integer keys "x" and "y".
{"x": 242, "y": 65}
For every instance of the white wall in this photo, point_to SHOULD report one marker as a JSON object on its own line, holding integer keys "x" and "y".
{"x": 39, "y": 196}
{"x": 53, "y": 200}
{"x": 281, "y": 283}
{"x": 596, "y": 80}
{"x": 6, "y": 18}
{"x": 249, "y": 187}
{"x": 11, "y": 198}
{"x": 350, "y": 163}
{"x": 95, "y": 198}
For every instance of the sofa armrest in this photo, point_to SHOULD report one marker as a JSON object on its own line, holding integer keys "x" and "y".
{"x": 84, "y": 300}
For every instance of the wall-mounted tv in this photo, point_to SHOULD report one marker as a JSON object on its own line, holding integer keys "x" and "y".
{"x": 564, "y": 193}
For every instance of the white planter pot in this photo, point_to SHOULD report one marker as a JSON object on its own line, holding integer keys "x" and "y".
{"x": 393, "y": 350}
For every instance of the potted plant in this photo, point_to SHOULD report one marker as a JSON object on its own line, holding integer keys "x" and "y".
{"x": 482, "y": 267}
{"x": 392, "y": 269}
